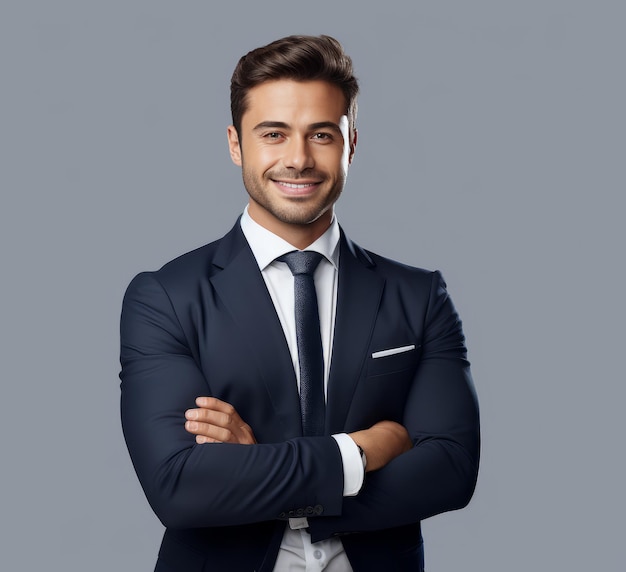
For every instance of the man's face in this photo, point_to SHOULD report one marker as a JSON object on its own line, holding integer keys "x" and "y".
{"x": 294, "y": 149}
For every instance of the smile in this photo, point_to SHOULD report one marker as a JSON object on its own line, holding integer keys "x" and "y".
{"x": 295, "y": 185}
{"x": 296, "y": 190}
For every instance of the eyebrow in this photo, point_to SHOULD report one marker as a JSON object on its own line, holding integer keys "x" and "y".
{"x": 283, "y": 125}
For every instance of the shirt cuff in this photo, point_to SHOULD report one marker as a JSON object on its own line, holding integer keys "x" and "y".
{"x": 353, "y": 471}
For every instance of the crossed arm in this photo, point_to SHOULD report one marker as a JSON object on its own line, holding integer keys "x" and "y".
{"x": 227, "y": 483}
{"x": 215, "y": 421}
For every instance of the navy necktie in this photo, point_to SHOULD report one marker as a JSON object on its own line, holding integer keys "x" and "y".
{"x": 310, "y": 354}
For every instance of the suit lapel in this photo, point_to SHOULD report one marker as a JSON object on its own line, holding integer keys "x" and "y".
{"x": 242, "y": 289}
{"x": 358, "y": 298}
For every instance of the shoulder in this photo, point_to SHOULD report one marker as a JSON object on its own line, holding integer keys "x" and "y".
{"x": 186, "y": 278}
{"x": 186, "y": 268}
{"x": 410, "y": 281}
{"x": 190, "y": 265}
{"x": 422, "y": 293}
{"x": 416, "y": 289}
{"x": 392, "y": 269}
{"x": 195, "y": 266}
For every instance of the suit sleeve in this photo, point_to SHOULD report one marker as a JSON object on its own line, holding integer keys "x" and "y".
{"x": 441, "y": 415}
{"x": 190, "y": 485}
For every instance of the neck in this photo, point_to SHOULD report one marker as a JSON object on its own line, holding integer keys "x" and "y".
{"x": 298, "y": 235}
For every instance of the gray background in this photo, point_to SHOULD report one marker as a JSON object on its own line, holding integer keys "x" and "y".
{"x": 492, "y": 147}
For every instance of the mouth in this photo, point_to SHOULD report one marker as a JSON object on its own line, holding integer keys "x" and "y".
{"x": 297, "y": 189}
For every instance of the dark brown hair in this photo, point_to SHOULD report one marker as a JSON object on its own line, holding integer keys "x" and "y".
{"x": 300, "y": 58}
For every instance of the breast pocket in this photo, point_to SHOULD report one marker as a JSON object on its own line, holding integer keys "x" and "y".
{"x": 393, "y": 360}
{"x": 383, "y": 392}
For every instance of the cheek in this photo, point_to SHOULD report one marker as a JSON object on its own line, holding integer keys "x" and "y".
{"x": 333, "y": 159}
{"x": 255, "y": 153}
{"x": 263, "y": 158}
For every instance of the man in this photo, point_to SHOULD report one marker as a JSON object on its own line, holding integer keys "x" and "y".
{"x": 289, "y": 419}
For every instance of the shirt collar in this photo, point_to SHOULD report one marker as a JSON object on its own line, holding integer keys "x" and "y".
{"x": 266, "y": 246}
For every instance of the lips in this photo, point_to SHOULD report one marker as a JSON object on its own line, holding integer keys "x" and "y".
{"x": 295, "y": 185}
{"x": 297, "y": 189}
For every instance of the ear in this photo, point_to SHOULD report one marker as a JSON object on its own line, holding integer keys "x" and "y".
{"x": 353, "y": 140}
{"x": 233, "y": 145}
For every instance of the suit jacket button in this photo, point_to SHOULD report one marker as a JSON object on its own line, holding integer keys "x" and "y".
{"x": 282, "y": 515}
{"x": 310, "y": 511}
{"x": 319, "y": 509}
{"x": 292, "y": 513}
{"x": 300, "y": 512}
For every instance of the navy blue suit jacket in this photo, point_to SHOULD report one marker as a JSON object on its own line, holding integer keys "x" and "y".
{"x": 205, "y": 325}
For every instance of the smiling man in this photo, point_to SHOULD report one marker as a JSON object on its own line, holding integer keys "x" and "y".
{"x": 297, "y": 147}
{"x": 291, "y": 401}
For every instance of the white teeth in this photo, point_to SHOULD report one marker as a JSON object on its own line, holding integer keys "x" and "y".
{"x": 296, "y": 186}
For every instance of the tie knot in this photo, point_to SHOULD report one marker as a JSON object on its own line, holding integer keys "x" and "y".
{"x": 301, "y": 261}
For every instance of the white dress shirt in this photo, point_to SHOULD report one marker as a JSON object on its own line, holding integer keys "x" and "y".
{"x": 297, "y": 552}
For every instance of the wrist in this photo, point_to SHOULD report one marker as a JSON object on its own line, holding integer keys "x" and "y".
{"x": 352, "y": 464}
{"x": 363, "y": 456}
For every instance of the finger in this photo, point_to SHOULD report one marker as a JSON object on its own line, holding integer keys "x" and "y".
{"x": 215, "y": 404}
{"x": 222, "y": 421}
{"x": 211, "y": 433}
{"x": 214, "y": 417}
{"x": 201, "y": 440}
{"x": 242, "y": 435}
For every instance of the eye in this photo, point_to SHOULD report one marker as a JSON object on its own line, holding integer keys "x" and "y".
{"x": 272, "y": 135}
{"x": 322, "y": 136}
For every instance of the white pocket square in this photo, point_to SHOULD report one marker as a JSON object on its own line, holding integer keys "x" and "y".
{"x": 393, "y": 351}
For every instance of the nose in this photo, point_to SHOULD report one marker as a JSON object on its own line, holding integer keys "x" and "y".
{"x": 298, "y": 154}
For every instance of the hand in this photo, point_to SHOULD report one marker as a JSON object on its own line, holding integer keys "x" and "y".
{"x": 382, "y": 443}
{"x": 215, "y": 421}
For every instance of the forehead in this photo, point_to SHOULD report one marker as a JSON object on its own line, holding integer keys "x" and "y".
{"x": 294, "y": 101}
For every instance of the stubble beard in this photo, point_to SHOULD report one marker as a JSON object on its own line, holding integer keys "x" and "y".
{"x": 290, "y": 210}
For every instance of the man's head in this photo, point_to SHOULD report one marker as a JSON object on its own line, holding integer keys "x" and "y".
{"x": 293, "y": 134}
{"x": 299, "y": 58}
